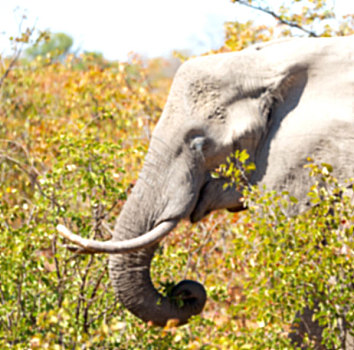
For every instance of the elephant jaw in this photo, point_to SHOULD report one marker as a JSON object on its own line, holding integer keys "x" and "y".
{"x": 213, "y": 196}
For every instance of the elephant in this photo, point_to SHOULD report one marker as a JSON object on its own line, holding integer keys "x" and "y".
{"x": 282, "y": 101}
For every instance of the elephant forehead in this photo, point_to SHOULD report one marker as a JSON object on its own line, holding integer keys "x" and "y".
{"x": 201, "y": 91}
{"x": 200, "y": 100}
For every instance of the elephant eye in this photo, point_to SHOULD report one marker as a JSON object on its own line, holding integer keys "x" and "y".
{"x": 193, "y": 134}
{"x": 199, "y": 144}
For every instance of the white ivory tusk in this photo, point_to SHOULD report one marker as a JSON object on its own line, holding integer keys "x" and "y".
{"x": 115, "y": 247}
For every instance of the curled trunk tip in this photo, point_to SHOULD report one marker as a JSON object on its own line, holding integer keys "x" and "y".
{"x": 190, "y": 295}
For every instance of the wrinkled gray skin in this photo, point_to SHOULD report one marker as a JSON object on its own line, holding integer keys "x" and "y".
{"x": 283, "y": 101}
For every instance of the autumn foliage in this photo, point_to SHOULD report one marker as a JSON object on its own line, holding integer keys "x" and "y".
{"x": 73, "y": 135}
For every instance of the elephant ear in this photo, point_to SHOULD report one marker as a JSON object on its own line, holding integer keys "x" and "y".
{"x": 277, "y": 92}
{"x": 251, "y": 115}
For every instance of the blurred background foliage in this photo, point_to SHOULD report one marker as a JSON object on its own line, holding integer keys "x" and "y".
{"x": 74, "y": 130}
{"x": 56, "y": 45}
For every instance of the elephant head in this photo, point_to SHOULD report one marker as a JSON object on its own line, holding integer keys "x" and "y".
{"x": 258, "y": 99}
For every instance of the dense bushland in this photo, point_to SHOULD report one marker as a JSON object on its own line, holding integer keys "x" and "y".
{"x": 73, "y": 134}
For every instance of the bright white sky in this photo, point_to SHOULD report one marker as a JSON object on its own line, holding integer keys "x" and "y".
{"x": 117, "y": 27}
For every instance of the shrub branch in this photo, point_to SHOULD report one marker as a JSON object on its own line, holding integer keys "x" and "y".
{"x": 278, "y": 17}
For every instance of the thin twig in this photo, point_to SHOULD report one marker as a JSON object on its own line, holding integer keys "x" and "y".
{"x": 106, "y": 227}
{"x": 31, "y": 214}
{"x": 278, "y": 17}
{"x": 78, "y": 250}
{"x": 54, "y": 251}
{"x": 33, "y": 175}
{"x": 8, "y": 316}
{"x": 11, "y": 65}
{"x": 19, "y": 295}
{"x": 84, "y": 277}
{"x": 18, "y": 145}
{"x": 92, "y": 299}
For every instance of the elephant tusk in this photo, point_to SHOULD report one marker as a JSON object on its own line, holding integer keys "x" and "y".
{"x": 90, "y": 246}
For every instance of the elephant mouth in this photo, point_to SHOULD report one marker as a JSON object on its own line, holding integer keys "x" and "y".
{"x": 213, "y": 196}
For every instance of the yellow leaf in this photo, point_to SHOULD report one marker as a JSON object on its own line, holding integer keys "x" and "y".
{"x": 171, "y": 323}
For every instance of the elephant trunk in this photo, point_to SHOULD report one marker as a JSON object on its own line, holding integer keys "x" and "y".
{"x": 130, "y": 276}
{"x": 145, "y": 210}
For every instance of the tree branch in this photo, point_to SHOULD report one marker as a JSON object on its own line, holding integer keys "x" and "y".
{"x": 11, "y": 65}
{"x": 277, "y": 17}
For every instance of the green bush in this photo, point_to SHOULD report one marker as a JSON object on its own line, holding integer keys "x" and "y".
{"x": 293, "y": 262}
{"x": 51, "y": 298}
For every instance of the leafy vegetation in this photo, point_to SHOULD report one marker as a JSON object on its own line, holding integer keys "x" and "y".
{"x": 57, "y": 45}
{"x": 291, "y": 262}
{"x": 73, "y": 134}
